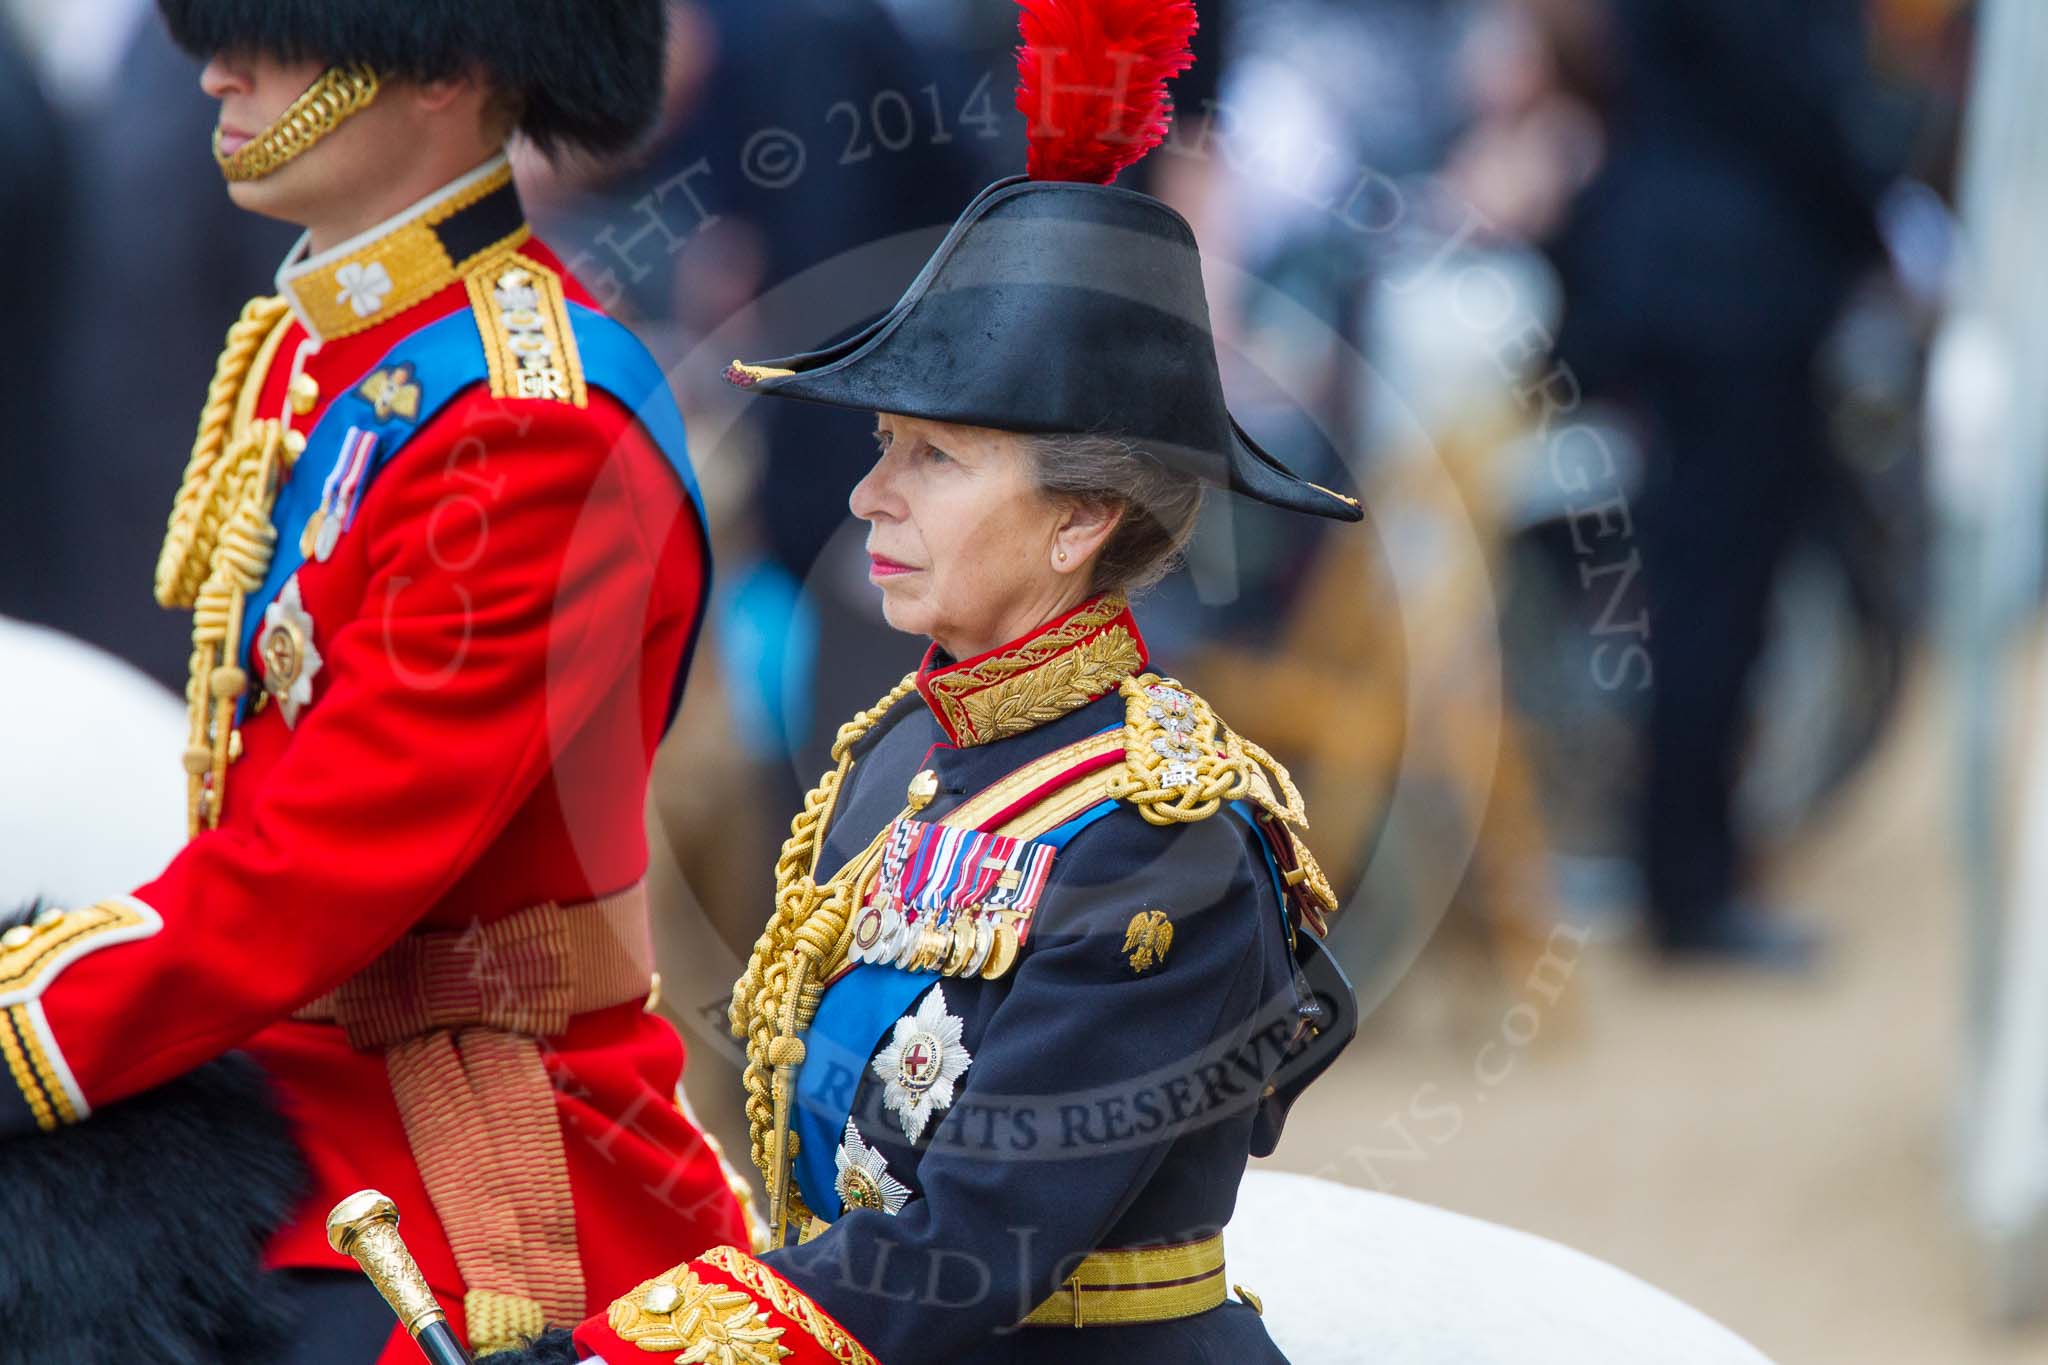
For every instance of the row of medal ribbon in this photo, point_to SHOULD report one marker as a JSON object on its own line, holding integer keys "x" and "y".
{"x": 954, "y": 901}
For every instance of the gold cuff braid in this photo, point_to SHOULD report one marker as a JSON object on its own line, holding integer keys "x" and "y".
{"x": 327, "y": 103}
{"x": 791, "y": 1302}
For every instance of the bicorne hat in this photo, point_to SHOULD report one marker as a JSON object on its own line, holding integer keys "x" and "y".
{"x": 1058, "y": 302}
{"x": 586, "y": 76}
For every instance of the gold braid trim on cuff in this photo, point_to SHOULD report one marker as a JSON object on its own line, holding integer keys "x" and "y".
{"x": 791, "y": 1302}
{"x": 338, "y": 94}
{"x": 14, "y": 1037}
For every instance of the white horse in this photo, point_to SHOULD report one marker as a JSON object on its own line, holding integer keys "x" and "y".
{"x": 94, "y": 798}
{"x": 1350, "y": 1277}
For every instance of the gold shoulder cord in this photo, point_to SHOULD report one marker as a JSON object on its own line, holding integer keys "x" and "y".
{"x": 776, "y": 999}
{"x": 218, "y": 545}
{"x": 1182, "y": 767}
{"x": 1176, "y": 772}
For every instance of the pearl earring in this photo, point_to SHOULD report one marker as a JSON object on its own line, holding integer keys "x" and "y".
{"x": 1063, "y": 556}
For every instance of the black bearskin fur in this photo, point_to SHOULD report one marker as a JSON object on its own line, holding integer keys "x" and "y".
{"x": 587, "y": 73}
{"x": 549, "y": 1348}
{"x": 137, "y": 1235}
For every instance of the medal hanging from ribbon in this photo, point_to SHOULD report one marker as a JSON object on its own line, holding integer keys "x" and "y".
{"x": 954, "y": 901}
{"x": 338, "y": 495}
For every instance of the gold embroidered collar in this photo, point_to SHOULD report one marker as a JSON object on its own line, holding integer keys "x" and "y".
{"x": 1058, "y": 668}
{"x": 376, "y": 275}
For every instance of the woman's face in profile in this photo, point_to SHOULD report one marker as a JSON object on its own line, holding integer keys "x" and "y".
{"x": 961, "y": 541}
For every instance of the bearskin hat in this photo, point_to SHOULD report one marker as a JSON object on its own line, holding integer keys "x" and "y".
{"x": 587, "y": 76}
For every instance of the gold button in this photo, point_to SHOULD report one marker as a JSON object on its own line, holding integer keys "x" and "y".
{"x": 661, "y": 1298}
{"x": 295, "y": 442}
{"x": 17, "y": 937}
{"x": 923, "y": 788}
{"x": 234, "y": 746}
{"x": 305, "y": 392}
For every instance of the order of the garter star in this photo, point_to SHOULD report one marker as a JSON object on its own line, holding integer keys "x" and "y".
{"x": 921, "y": 1062}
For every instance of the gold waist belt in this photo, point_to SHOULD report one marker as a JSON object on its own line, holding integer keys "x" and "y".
{"x": 458, "y": 1017}
{"x": 1123, "y": 1287}
{"x": 1143, "y": 1284}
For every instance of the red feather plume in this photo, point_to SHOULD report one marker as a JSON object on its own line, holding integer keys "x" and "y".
{"x": 1091, "y": 82}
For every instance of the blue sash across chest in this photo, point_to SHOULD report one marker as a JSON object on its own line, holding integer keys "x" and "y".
{"x": 857, "y": 1011}
{"x": 444, "y": 358}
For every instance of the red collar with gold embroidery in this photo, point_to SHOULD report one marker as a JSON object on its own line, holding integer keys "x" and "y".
{"x": 1056, "y": 669}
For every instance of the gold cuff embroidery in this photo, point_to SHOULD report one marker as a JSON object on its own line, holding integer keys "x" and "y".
{"x": 30, "y": 961}
{"x": 31, "y": 956}
{"x": 14, "y": 1049}
{"x": 792, "y": 1303}
{"x": 677, "y": 1311}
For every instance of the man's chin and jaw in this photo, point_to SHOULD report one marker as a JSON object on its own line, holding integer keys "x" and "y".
{"x": 294, "y": 193}
{"x": 325, "y": 183}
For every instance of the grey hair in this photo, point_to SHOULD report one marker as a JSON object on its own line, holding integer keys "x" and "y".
{"x": 1159, "y": 505}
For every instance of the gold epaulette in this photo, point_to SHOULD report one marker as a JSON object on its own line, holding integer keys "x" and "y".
{"x": 523, "y": 317}
{"x": 1182, "y": 764}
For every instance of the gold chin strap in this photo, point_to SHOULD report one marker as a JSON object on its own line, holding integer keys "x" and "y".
{"x": 328, "y": 102}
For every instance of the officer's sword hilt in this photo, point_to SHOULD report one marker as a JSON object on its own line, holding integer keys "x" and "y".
{"x": 364, "y": 1226}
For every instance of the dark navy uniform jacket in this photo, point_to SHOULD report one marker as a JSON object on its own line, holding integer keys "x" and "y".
{"x": 1107, "y": 1095}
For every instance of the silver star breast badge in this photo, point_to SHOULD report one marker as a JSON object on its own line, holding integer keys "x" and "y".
{"x": 921, "y": 1062}
{"x": 290, "y": 658}
{"x": 864, "y": 1181}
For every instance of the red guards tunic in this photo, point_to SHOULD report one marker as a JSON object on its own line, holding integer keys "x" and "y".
{"x": 497, "y": 631}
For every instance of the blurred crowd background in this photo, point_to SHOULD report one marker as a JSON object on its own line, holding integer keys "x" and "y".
{"x": 1666, "y": 733}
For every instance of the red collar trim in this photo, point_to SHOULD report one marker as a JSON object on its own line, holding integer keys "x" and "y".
{"x": 1055, "y": 670}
